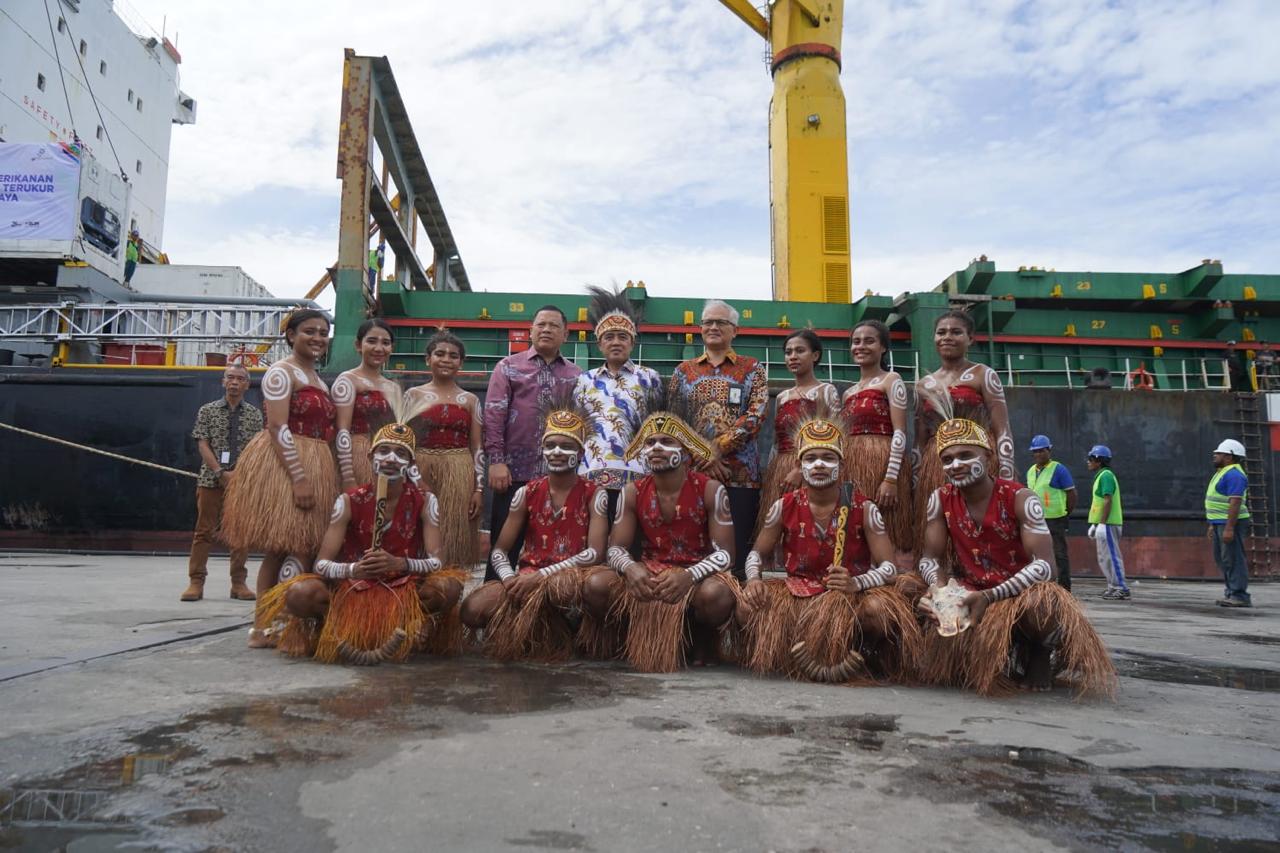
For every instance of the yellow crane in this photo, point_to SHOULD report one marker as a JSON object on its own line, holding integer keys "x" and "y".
{"x": 808, "y": 159}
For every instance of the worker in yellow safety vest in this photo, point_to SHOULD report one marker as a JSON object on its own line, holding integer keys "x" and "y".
{"x": 1226, "y": 508}
{"x": 1052, "y": 483}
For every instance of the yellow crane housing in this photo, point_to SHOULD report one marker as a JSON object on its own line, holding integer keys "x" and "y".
{"x": 808, "y": 156}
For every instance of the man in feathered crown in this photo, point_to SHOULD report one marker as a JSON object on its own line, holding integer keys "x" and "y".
{"x": 377, "y": 590}
{"x": 836, "y": 616}
{"x": 1006, "y": 622}
{"x": 686, "y": 531}
{"x": 564, "y": 519}
{"x": 616, "y": 396}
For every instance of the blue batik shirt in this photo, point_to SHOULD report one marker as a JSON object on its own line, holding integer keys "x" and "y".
{"x": 615, "y": 406}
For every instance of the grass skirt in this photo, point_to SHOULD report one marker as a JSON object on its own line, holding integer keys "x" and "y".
{"x": 829, "y": 625}
{"x": 451, "y": 475}
{"x": 294, "y": 637}
{"x": 538, "y": 629}
{"x": 259, "y": 514}
{"x": 443, "y": 634}
{"x": 366, "y": 619}
{"x": 657, "y": 631}
{"x": 866, "y": 458}
{"x": 602, "y": 638}
{"x": 360, "y": 462}
{"x": 988, "y": 658}
{"x": 773, "y": 485}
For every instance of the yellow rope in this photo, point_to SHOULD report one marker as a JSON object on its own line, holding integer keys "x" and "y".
{"x": 106, "y": 453}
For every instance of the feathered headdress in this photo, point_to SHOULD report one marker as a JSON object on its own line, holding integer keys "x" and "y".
{"x": 561, "y": 414}
{"x": 395, "y": 433}
{"x": 960, "y": 431}
{"x": 819, "y": 433}
{"x": 611, "y": 310}
{"x": 671, "y": 424}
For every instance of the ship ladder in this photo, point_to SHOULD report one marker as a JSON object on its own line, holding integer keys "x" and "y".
{"x": 1249, "y": 424}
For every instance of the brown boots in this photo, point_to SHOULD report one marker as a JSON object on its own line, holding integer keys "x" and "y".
{"x": 195, "y": 590}
{"x": 241, "y": 592}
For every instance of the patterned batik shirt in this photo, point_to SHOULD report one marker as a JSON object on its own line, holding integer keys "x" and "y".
{"x": 215, "y": 424}
{"x": 616, "y": 406}
{"x": 730, "y": 401}
{"x": 521, "y": 387}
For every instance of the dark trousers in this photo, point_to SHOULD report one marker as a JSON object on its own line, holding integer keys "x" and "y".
{"x": 744, "y": 506}
{"x": 208, "y": 518}
{"x": 1058, "y": 533}
{"x": 1231, "y": 560}
{"x": 498, "y": 512}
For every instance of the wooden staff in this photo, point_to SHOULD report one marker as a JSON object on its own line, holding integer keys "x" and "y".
{"x": 379, "y": 513}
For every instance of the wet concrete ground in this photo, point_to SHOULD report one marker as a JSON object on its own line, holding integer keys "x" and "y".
{"x": 197, "y": 743}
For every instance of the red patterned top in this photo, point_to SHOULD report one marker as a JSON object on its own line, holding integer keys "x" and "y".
{"x": 371, "y": 413}
{"x": 788, "y": 418}
{"x": 444, "y": 426}
{"x": 966, "y": 402}
{"x": 552, "y": 535}
{"x": 990, "y": 554}
{"x": 681, "y": 541}
{"x": 808, "y": 548}
{"x": 402, "y": 538}
{"x": 867, "y": 413}
{"x": 312, "y": 413}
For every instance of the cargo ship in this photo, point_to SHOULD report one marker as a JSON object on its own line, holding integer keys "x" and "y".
{"x": 1159, "y": 365}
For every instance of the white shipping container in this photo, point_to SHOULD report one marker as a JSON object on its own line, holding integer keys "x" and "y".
{"x": 196, "y": 280}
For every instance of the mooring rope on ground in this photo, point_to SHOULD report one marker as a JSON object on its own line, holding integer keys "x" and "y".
{"x": 106, "y": 453}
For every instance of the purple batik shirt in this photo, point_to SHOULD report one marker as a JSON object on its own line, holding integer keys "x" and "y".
{"x": 520, "y": 389}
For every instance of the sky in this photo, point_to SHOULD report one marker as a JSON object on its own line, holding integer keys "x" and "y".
{"x": 578, "y": 142}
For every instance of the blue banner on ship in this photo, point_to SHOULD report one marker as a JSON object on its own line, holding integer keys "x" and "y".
{"x": 39, "y": 188}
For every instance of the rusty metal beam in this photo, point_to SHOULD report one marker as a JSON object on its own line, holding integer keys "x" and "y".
{"x": 354, "y": 135}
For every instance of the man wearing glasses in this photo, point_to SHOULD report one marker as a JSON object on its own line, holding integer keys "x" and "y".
{"x": 725, "y": 396}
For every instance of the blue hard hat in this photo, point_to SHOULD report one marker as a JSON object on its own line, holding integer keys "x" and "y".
{"x": 1041, "y": 442}
{"x": 1100, "y": 451}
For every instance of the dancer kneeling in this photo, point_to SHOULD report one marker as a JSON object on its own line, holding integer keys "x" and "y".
{"x": 528, "y": 613}
{"x": 374, "y": 596}
{"x": 1000, "y": 618}
{"x": 831, "y": 618}
{"x": 681, "y": 579}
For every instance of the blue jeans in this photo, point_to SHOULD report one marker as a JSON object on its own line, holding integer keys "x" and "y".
{"x": 1231, "y": 560}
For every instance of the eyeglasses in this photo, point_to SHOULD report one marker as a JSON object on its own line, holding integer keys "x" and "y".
{"x": 718, "y": 324}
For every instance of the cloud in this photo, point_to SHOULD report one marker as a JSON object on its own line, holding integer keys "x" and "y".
{"x": 575, "y": 141}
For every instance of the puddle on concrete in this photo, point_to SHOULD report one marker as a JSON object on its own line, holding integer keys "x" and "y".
{"x": 864, "y": 731}
{"x": 85, "y": 805}
{"x": 1084, "y": 806}
{"x": 1256, "y": 639}
{"x": 659, "y": 724}
{"x": 1173, "y": 670}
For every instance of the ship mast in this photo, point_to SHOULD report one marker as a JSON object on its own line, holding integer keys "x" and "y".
{"x": 808, "y": 159}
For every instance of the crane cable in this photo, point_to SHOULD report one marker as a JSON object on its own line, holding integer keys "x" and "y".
{"x": 92, "y": 97}
{"x": 57, "y": 58}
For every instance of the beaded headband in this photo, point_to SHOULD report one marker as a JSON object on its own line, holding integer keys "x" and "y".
{"x": 398, "y": 434}
{"x": 819, "y": 434}
{"x": 566, "y": 423}
{"x": 961, "y": 431}
{"x": 665, "y": 423}
{"x": 615, "y": 321}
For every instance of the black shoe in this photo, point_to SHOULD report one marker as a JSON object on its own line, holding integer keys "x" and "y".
{"x": 1122, "y": 595}
{"x": 1234, "y": 602}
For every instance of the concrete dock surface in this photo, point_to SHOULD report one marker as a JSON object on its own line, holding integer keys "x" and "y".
{"x": 133, "y": 721}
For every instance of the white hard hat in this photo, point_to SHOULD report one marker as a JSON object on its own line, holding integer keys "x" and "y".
{"x": 1231, "y": 446}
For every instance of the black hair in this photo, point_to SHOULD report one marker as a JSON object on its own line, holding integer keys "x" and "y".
{"x": 374, "y": 323}
{"x": 882, "y": 332}
{"x": 810, "y": 337}
{"x": 563, "y": 319}
{"x": 444, "y": 336}
{"x": 297, "y": 318}
{"x": 957, "y": 314}
{"x": 1102, "y": 460}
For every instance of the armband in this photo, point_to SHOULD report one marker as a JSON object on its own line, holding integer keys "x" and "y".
{"x": 619, "y": 559}
{"x": 1037, "y": 571}
{"x": 501, "y": 564}
{"x": 716, "y": 561}
{"x": 424, "y": 565}
{"x": 878, "y": 576}
{"x": 334, "y": 571}
{"x": 583, "y": 558}
{"x": 752, "y": 566}
{"x": 929, "y": 570}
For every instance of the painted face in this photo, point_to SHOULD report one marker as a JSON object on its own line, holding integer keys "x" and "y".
{"x": 964, "y": 465}
{"x": 374, "y": 347}
{"x": 820, "y": 468}
{"x": 391, "y": 460}
{"x": 561, "y": 453}
{"x": 662, "y": 453}
{"x": 311, "y": 338}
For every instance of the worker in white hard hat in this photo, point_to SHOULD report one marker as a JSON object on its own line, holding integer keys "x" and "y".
{"x": 1226, "y": 507}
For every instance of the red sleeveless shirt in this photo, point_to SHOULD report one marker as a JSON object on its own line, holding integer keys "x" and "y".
{"x": 990, "y": 554}
{"x": 312, "y": 413}
{"x": 683, "y": 540}
{"x": 551, "y": 536}
{"x": 403, "y": 536}
{"x": 788, "y": 418}
{"x": 867, "y": 413}
{"x": 809, "y": 548}
{"x": 444, "y": 426}
{"x": 371, "y": 413}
